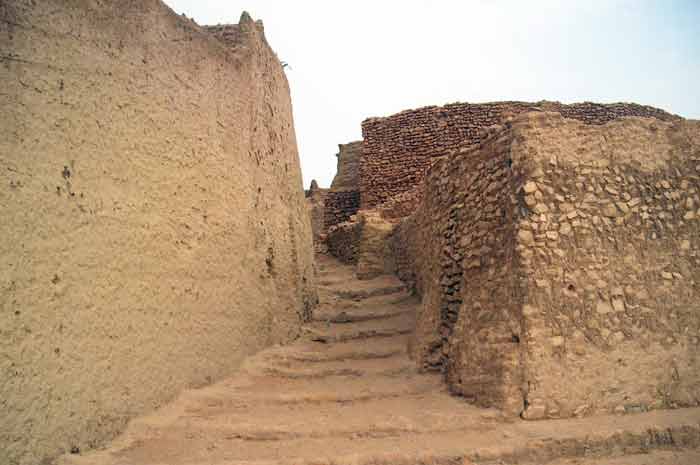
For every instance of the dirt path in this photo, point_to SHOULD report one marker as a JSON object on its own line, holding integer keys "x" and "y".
{"x": 347, "y": 393}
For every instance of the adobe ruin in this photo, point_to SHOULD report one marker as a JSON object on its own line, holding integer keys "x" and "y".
{"x": 498, "y": 262}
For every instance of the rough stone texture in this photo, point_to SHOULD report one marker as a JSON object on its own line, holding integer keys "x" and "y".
{"x": 455, "y": 251}
{"x": 343, "y": 199}
{"x": 153, "y": 219}
{"x": 342, "y": 240}
{"x": 398, "y": 150}
{"x": 558, "y": 265}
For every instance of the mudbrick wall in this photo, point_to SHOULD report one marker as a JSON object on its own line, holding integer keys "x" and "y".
{"x": 559, "y": 264}
{"x": 343, "y": 198}
{"x": 153, "y": 218}
{"x": 397, "y": 150}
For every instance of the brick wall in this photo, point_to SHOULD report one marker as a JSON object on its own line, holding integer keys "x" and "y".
{"x": 343, "y": 198}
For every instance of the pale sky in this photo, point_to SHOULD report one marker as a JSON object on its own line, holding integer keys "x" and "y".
{"x": 355, "y": 59}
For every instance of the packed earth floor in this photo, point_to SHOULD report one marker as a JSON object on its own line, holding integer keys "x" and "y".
{"x": 347, "y": 393}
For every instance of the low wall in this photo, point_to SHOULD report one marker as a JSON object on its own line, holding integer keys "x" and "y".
{"x": 342, "y": 241}
{"x": 339, "y": 206}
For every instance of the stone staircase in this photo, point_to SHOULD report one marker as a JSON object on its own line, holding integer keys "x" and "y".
{"x": 347, "y": 393}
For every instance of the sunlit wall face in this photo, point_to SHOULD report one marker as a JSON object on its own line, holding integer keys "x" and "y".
{"x": 352, "y": 60}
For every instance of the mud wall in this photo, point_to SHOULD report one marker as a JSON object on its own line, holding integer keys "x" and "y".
{"x": 397, "y": 150}
{"x": 558, "y": 265}
{"x": 343, "y": 199}
{"x": 154, "y": 224}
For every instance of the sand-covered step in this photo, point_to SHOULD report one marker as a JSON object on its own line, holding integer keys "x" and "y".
{"x": 249, "y": 391}
{"x": 339, "y": 332}
{"x": 362, "y": 313}
{"x": 332, "y": 303}
{"x": 319, "y": 352}
{"x": 653, "y": 457}
{"x": 419, "y": 413}
{"x": 295, "y": 369}
{"x": 489, "y": 442}
{"x": 382, "y": 285}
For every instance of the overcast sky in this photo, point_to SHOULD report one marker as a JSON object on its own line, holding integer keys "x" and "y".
{"x": 355, "y": 59}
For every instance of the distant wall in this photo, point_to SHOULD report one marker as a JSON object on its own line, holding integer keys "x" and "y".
{"x": 558, "y": 265}
{"x": 398, "y": 149}
{"x": 153, "y": 219}
{"x": 343, "y": 198}
{"x": 343, "y": 241}
{"x": 316, "y": 207}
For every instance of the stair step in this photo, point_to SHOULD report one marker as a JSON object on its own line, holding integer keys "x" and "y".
{"x": 316, "y": 352}
{"x": 354, "y": 315}
{"x": 293, "y": 369}
{"x": 332, "y": 304}
{"x": 431, "y": 412}
{"x": 358, "y": 294}
{"x": 654, "y": 457}
{"x": 250, "y": 390}
{"x": 494, "y": 443}
{"x": 339, "y": 332}
{"x": 359, "y": 290}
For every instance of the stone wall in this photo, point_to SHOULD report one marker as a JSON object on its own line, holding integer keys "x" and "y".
{"x": 398, "y": 150}
{"x": 342, "y": 241}
{"x": 559, "y": 263}
{"x": 458, "y": 252}
{"x": 153, "y": 219}
{"x": 610, "y": 251}
{"x": 343, "y": 199}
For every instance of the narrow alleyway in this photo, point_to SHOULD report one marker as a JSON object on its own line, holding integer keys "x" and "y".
{"x": 347, "y": 393}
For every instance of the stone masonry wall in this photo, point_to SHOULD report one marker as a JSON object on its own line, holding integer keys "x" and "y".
{"x": 559, "y": 263}
{"x": 458, "y": 250}
{"x": 609, "y": 246}
{"x": 342, "y": 241}
{"x": 343, "y": 198}
{"x": 153, "y": 219}
{"x": 398, "y": 149}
